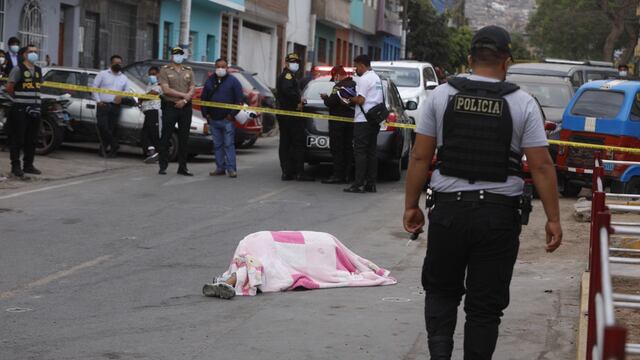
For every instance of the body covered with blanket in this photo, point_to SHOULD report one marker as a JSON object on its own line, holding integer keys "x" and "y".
{"x": 283, "y": 260}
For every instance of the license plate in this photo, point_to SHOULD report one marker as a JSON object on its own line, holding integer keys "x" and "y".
{"x": 608, "y": 166}
{"x": 319, "y": 142}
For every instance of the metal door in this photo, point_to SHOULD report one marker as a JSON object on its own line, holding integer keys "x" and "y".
{"x": 121, "y": 39}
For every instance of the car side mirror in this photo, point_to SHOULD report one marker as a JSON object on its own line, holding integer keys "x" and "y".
{"x": 411, "y": 105}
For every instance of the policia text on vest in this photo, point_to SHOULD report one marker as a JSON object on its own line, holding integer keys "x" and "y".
{"x": 477, "y": 105}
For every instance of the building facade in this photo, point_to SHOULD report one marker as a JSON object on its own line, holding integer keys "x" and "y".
{"x": 52, "y": 25}
{"x": 299, "y": 31}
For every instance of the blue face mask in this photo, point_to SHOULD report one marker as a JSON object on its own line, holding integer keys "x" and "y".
{"x": 153, "y": 79}
{"x": 14, "y": 48}
{"x": 32, "y": 57}
{"x": 178, "y": 59}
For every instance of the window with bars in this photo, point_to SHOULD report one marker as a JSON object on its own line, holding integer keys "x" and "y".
{"x": 2, "y": 21}
{"x": 31, "y": 29}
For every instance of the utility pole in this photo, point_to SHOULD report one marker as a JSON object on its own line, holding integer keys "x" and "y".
{"x": 405, "y": 23}
{"x": 185, "y": 26}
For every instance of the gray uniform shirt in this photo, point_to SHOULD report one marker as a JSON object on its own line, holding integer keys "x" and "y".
{"x": 528, "y": 131}
{"x": 16, "y": 74}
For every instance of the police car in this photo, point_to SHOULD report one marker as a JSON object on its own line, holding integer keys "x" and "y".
{"x": 394, "y": 143}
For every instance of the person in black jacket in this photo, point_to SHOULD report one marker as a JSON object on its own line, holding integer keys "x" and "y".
{"x": 340, "y": 133}
{"x": 13, "y": 58}
{"x": 292, "y": 139}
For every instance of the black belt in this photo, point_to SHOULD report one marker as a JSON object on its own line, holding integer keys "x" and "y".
{"x": 480, "y": 196}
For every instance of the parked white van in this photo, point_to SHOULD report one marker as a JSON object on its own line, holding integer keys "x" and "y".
{"x": 414, "y": 80}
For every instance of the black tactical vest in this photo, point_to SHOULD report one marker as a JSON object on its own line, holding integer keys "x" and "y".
{"x": 476, "y": 134}
{"x": 27, "y": 90}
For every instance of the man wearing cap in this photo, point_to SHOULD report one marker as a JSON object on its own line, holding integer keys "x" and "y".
{"x": 481, "y": 126}
{"x": 292, "y": 139}
{"x": 178, "y": 86}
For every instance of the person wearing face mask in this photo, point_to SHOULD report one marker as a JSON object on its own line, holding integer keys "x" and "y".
{"x": 223, "y": 88}
{"x": 3, "y": 65}
{"x": 13, "y": 59}
{"x": 340, "y": 133}
{"x": 178, "y": 86}
{"x": 23, "y": 123}
{"x": 480, "y": 126}
{"x": 292, "y": 138}
{"x": 151, "y": 109}
{"x": 108, "y": 111}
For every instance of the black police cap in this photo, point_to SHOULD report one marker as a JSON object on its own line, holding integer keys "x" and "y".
{"x": 492, "y": 37}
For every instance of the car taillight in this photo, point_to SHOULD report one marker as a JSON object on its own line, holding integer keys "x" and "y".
{"x": 390, "y": 119}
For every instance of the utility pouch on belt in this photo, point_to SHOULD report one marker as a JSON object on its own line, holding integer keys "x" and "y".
{"x": 525, "y": 203}
{"x": 430, "y": 199}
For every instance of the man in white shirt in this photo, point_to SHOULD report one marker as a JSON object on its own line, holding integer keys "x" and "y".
{"x": 108, "y": 112}
{"x": 365, "y": 133}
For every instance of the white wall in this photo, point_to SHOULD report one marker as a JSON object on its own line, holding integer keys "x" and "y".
{"x": 298, "y": 26}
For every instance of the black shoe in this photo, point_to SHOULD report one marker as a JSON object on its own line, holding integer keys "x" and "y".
{"x": 286, "y": 177}
{"x": 304, "y": 177}
{"x": 162, "y": 171}
{"x": 112, "y": 155}
{"x": 355, "y": 189}
{"x": 184, "y": 172}
{"x": 334, "y": 180}
{"x": 31, "y": 170}
{"x": 16, "y": 171}
{"x": 370, "y": 188}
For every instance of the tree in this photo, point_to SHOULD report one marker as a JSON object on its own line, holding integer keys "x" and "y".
{"x": 428, "y": 37}
{"x": 583, "y": 29}
{"x": 459, "y": 43}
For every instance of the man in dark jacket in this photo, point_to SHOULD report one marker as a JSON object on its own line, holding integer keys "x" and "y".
{"x": 13, "y": 59}
{"x": 224, "y": 88}
{"x": 292, "y": 139}
{"x": 340, "y": 133}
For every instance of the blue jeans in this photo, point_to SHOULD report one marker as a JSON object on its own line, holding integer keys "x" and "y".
{"x": 224, "y": 133}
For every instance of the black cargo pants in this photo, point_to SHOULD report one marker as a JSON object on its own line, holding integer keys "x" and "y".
{"x": 472, "y": 249}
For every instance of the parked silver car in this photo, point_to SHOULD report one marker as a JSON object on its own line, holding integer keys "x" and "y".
{"x": 83, "y": 114}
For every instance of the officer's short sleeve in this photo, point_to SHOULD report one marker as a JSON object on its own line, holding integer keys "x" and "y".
{"x": 428, "y": 124}
{"x": 15, "y": 75}
{"x": 533, "y": 134}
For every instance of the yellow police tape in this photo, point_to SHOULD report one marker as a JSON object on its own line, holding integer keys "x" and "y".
{"x": 81, "y": 88}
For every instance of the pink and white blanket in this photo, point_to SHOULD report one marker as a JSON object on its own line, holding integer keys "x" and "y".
{"x": 283, "y": 260}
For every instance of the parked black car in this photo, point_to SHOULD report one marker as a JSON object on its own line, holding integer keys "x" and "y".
{"x": 394, "y": 144}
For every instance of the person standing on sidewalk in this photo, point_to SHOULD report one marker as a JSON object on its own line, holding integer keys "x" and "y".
{"x": 480, "y": 125}
{"x": 23, "y": 122}
{"x": 178, "y": 87}
{"x": 223, "y": 88}
{"x": 13, "y": 58}
{"x": 340, "y": 133}
{"x": 150, "y": 138}
{"x": 292, "y": 139}
{"x": 365, "y": 133}
{"x": 108, "y": 112}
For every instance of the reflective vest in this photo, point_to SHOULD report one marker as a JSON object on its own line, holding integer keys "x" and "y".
{"x": 477, "y": 130}
{"x": 27, "y": 90}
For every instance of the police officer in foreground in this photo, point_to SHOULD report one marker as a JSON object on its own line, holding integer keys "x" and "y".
{"x": 480, "y": 125}
{"x": 178, "y": 87}
{"x": 23, "y": 123}
{"x": 292, "y": 138}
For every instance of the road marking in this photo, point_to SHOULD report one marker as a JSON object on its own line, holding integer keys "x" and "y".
{"x": 268, "y": 195}
{"x": 55, "y": 276}
{"x": 183, "y": 180}
{"x": 53, "y": 187}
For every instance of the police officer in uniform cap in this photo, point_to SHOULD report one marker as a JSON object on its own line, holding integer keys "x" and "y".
{"x": 480, "y": 125}
{"x": 292, "y": 138}
{"x": 24, "y": 119}
{"x": 178, "y": 87}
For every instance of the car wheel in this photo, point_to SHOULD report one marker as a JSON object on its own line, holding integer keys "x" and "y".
{"x": 50, "y": 137}
{"x": 246, "y": 144}
{"x": 570, "y": 190}
{"x": 173, "y": 147}
{"x": 394, "y": 170}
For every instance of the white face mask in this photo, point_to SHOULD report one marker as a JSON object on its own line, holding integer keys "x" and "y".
{"x": 221, "y": 72}
{"x": 623, "y": 73}
{"x": 294, "y": 67}
{"x": 2, "y": 59}
{"x": 178, "y": 59}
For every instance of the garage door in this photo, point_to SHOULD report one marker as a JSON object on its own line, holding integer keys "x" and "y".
{"x": 258, "y": 55}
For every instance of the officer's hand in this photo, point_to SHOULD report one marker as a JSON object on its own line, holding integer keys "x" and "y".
{"x": 323, "y": 96}
{"x": 180, "y": 104}
{"x": 413, "y": 220}
{"x": 554, "y": 235}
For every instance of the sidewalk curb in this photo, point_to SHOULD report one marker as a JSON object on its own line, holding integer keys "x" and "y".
{"x": 581, "y": 343}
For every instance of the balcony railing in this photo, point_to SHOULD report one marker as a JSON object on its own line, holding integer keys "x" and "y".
{"x": 332, "y": 12}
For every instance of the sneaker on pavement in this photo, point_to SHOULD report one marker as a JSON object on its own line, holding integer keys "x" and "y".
{"x": 16, "y": 171}
{"x": 232, "y": 174}
{"x": 31, "y": 170}
{"x": 153, "y": 157}
{"x": 218, "y": 172}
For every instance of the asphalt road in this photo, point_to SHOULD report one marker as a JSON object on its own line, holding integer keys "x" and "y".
{"x": 111, "y": 265}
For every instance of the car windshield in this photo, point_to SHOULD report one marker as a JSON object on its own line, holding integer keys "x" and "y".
{"x": 599, "y": 104}
{"x": 549, "y": 95}
{"x": 402, "y": 77}
{"x": 315, "y": 88}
